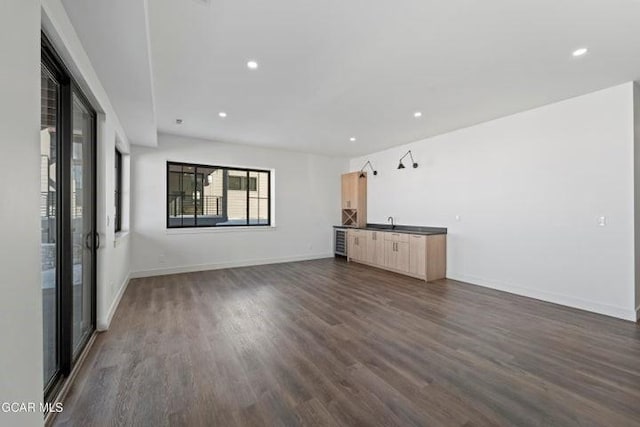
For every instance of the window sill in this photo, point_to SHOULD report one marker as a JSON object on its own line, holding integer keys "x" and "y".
{"x": 199, "y": 230}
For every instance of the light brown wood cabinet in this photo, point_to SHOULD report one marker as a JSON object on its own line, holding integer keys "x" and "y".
{"x": 421, "y": 256}
{"x": 396, "y": 255}
{"x": 354, "y": 199}
{"x": 357, "y": 246}
{"x": 436, "y": 257}
{"x": 390, "y": 255}
{"x": 417, "y": 255}
{"x": 375, "y": 247}
{"x": 349, "y": 192}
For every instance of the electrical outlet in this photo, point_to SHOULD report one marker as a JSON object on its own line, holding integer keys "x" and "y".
{"x": 457, "y": 217}
{"x": 602, "y": 221}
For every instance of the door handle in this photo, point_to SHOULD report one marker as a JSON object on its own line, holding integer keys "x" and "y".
{"x": 96, "y": 240}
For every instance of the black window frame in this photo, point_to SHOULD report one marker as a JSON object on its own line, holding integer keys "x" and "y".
{"x": 117, "y": 220}
{"x": 233, "y": 168}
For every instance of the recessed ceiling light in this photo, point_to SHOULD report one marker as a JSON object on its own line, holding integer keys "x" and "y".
{"x": 178, "y": 121}
{"x": 352, "y": 139}
{"x": 580, "y": 52}
{"x": 222, "y": 114}
{"x": 417, "y": 114}
{"x": 252, "y": 65}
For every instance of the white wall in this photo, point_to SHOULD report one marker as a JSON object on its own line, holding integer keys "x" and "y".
{"x": 307, "y": 205}
{"x": 21, "y": 300}
{"x": 113, "y": 255}
{"x": 528, "y": 189}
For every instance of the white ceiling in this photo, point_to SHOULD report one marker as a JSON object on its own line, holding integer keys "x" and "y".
{"x": 333, "y": 69}
{"x": 115, "y": 35}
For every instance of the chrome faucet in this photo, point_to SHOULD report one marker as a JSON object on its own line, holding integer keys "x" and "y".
{"x": 390, "y": 219}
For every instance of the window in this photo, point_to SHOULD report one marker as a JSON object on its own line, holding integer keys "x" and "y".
{"x": 240, "y": 183}
{"x": 117, "y": 220}
{"x": 217, "y": 196}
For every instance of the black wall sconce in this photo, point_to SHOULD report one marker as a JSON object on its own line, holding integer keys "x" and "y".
{"x": 413, "y": 163}
{"x": 362, "y": 175}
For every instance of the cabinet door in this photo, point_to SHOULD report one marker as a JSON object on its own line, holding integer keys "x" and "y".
{"x": 402, "y": 256}
{"x": 353, "y": 190}
{"x": 351, "y": 245}
{"x": 362, "y": 243}
{"x": 350, "y": 190}
{"x": 347, "y": 191}
{"x": 436, "y": 257}
{"x": 379, "y": 252}
{"x": 355, "y": 247}
{"x": 418, "y": 255}
{"x": 390, "y": 254}
{"x": 371, "y": 247}
{"x": 375, "y": 248}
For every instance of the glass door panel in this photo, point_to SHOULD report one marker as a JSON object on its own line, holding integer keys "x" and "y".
{"x": 49, "y": 97}
{"x": 83, "y": 236}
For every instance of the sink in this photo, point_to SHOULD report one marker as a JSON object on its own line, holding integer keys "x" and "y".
{"x": 379, "y": 227}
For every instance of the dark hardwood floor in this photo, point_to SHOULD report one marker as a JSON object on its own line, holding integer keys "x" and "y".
{"x": 330, "y": 343}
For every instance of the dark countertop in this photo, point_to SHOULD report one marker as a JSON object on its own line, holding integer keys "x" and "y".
{"x": 407, "y": 229}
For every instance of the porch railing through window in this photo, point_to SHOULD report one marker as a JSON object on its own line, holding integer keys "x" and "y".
{"x": 185, "y": 204}
{"x": 47, "y": 204}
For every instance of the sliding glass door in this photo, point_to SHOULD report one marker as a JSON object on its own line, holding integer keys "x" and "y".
{"x": 50, "y": 96}
{"x": 82, "y": 223}
{"x": 68, "y": 199}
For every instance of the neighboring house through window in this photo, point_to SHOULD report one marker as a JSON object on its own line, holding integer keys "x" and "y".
{"x": 240, "y": 183}
{"x": 217, "y": 196}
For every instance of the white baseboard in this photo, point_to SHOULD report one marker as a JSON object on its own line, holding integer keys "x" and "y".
{"x": 595, "y": 307}
{"x": 228, "y": 264}
{"x": 104, "y": 324}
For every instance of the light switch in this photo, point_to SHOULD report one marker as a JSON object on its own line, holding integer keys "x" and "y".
{"x": 602, "y": 221}
{"x": 457, "y": 217}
